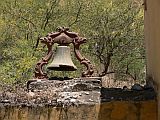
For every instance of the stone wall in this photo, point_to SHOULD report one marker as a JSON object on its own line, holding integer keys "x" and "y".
{"x": 76, "y": 99}
{"x": 114, "y": 110}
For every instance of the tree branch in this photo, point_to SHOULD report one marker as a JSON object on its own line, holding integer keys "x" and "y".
{"x": 77, "y": 15}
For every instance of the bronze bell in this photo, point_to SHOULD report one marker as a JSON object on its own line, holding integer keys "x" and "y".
{"x": 62, "y": 60}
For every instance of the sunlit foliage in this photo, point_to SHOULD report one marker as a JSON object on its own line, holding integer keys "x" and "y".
{"x": 114, "y": 29}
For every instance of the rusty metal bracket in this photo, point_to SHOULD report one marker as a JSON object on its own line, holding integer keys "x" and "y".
{"x": 62, "y": 37}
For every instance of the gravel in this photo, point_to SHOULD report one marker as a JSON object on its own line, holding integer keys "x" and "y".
{"x": 71, "y": 92}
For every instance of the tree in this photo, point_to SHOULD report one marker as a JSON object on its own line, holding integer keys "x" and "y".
{"x": 114, "y": 30}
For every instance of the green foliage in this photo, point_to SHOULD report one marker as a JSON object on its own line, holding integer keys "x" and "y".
{"x": 114, "y": 29}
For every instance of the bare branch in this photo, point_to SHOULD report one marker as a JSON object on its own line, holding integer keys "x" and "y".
{"x": 77, "y": 15}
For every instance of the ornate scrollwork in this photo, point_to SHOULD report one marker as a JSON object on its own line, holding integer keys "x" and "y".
{"x": 39, "y": 74}
{"x": 77, "y": 42}
{"x": 62, "y": 37}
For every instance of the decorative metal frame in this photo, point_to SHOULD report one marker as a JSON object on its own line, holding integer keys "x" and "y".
{"x": 62, "y": 37}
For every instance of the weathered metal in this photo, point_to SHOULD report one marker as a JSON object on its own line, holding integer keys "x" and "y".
{"x": 39, "y": 74}
{"x": 63, "y": 37}
{"x": 62, "y": 60}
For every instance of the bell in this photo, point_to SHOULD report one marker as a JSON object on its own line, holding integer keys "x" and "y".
{"x": 62, "y": 60}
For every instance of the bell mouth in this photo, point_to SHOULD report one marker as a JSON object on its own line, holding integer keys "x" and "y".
{"x": 62, "y": 68}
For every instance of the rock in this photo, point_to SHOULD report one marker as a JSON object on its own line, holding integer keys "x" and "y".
{"x": 148, "y": 87}
{"x": 52, "y": 92}
{"x": 75, "y": 96}
{"x": 5, "y": 101}
{"x": 87, "y": 93}
{"x": 49, "y": 101}
{"x": 125, "y": 88}
{"x": 137, "y": 87}
{"x": 73, "y": 100}
{"x": 91, "y": 100}
{"x": 30, "y": 94}
{"x": 112, "y": 98}
{"x": 59, "y": 100}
